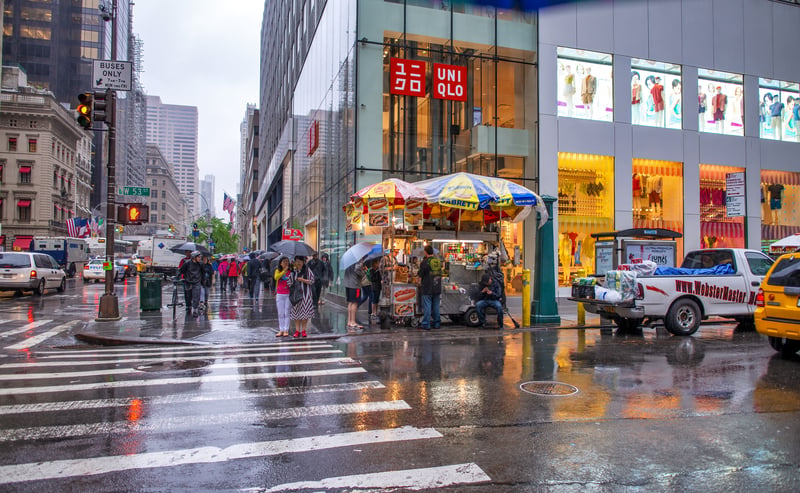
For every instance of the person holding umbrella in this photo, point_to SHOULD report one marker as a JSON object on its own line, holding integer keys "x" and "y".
{"x": 233, "y": 274}
{"x": 302, "y": 312}
{"x": 223, "y": 273}
{"x": 282, "y": 274}
{"x": 192, "y": 273}
{"x": 353, "y": 276}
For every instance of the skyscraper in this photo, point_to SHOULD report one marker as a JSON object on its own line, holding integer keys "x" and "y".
{"x": 173, "y": 128}
{"x": 207, "y": 190}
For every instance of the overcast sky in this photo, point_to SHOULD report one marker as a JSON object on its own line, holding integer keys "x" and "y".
{"x": 205, "y": 53}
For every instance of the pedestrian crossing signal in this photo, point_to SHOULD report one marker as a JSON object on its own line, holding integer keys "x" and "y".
{"x": 85, "y": 110}
{"x": 133, "y": 213}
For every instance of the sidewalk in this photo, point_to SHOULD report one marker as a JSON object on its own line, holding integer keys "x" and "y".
{"x": 238, "y": 313}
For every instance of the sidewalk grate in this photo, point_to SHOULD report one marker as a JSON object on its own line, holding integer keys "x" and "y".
{"x": 549, "y": 388}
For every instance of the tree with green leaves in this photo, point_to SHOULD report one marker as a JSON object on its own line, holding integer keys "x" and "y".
{"x": 224, "y": 242}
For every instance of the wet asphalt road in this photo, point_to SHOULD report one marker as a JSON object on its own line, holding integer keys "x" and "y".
{"x": 383, "y": 411}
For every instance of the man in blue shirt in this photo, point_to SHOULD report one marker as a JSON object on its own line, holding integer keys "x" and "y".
{"x": 489, "y": 296}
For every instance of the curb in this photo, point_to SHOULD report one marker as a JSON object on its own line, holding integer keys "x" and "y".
{"x": 93, "y": 338}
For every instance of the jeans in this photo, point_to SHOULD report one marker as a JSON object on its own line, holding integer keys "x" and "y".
{"x": 481, "y": 307}
{"x": 192, "y": 291}
{"x": 283, "y": 304}
{"x": 254, "y": 286}
{"x": 232, "y": 282}
{"x": 430, "y": 311}
{"x": 366, "y": 295}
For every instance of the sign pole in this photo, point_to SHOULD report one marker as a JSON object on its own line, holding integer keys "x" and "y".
{"x": 109, "y": 304}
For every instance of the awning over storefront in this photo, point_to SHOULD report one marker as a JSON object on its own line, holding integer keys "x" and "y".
{"x": 23, "y": 203}
{"x": 776, "y": 232}
{"x": 22, "y": 242}
{"x": 722, "y": 230}
{"x": 24, "y": 169}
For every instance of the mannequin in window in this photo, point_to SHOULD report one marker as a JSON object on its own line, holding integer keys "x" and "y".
{"x": 637, "y": 194}
{"x": 776, "y": 116}
{"x": 789, "y": 128}
{"x": 702, "y": 100}
{"x": 775, "y": 200}
{"x": 588, "y": 90}
{"x": 718, "y": 105}
{"x": 738, "y": 108}
{"x": 636, "y": 98}
{"x": 675, "y": 104}
{"x": 569, "y": 89}
{"x": 657, "y": 91}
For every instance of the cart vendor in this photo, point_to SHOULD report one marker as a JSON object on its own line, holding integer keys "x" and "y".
{"x": 489, "y": 296}
{"x": 430, "y": 273}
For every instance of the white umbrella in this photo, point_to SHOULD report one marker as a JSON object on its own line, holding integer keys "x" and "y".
{"x": 789, "y": 244}
{"x": 355, "y": 253}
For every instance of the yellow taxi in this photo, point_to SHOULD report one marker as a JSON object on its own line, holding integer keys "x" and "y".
{"x": 778, "y": 305}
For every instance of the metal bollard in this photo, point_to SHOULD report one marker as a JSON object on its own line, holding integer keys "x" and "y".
{"x": 526, "y": 297}
{"x": 581, "y": 314}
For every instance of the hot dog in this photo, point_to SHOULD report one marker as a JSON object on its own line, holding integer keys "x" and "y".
{"x": 413, "y": 204}
{"x": 406, "y": 294}
{"x": 378, "y": 204}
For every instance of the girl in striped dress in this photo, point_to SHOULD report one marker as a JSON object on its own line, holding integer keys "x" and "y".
{"x": 302, "y": 312}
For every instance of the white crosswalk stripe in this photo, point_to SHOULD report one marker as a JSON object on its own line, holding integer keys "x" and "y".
{"x": 197, "y": 393}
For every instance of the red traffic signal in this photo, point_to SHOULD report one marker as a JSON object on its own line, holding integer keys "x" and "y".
{"x": 133, "y": 213}
{"x": 85, "y": 110}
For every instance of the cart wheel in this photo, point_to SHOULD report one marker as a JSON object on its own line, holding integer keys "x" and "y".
{"x": 414, "y": 322}
{"x": 471, "y": 317}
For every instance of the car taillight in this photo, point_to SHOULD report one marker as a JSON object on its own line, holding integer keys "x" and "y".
{"x": 86, "y": 267}
{"x": 33, "y": 274}
{"x": 639, "y": 291}
{"x": 760, "y": 298}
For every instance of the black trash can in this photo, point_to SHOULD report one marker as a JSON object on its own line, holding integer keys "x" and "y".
{"x": 149, "y": 292}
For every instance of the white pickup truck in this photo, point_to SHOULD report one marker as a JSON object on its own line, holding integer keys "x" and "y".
{"x": 682, "y": 301}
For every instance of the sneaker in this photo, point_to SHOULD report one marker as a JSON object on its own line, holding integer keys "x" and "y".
{"x": 296, "y": 334}
{"x": 303, "y": 334}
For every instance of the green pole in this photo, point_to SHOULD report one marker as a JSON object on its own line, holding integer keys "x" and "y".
{"x": 544, "y": 308}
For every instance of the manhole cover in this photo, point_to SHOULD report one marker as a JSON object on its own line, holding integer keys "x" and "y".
{"x": 549, "y": 388}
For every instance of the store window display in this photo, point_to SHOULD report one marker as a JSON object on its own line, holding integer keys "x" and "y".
{"x": 720, "y": 102}
{"x": 780, "y": 204}
{"x": 585, "y": 206}
{"x": 657, "y": 188}
{"x": 584, "y": 85}
{"x": 658, "y": 103}
{"x": 717, "y": 229}
{"x": 778, "y": 110}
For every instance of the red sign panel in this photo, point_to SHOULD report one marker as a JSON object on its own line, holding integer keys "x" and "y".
{"x": 292, "y": 234}
{"x": 407, "y": 77}
{"x": 313, "y": 137}
{"x": 449, "y": 82}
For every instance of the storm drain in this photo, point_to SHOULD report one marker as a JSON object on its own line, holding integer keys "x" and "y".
{"x": 549, "y": 388}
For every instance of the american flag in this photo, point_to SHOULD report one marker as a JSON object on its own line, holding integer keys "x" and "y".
{"x": 227, "y": 203}
{"x": 78, "y": 227}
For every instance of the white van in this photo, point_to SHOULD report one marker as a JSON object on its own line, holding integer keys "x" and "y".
{"x": 24, "y": 271}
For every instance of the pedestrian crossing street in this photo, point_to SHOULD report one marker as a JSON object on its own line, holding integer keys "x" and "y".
{"x": 162, "y": 418}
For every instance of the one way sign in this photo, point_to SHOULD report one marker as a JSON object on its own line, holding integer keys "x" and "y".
{"x": 112, "y": 74}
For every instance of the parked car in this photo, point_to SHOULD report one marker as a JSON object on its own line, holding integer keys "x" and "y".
{"x": 24, "y": 271}
{"x": 93, "y": 271}
{"x": 128, "y": 266}
{"x": 777, "y": 313}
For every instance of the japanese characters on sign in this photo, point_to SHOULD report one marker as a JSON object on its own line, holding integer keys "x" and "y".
{"x": 449, "y": 82}
{"x": 407, "y": 77}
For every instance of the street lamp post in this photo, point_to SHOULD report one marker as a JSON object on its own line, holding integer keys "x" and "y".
{"x": 109, "y": 304}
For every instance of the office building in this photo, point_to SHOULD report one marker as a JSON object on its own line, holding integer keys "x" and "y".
{"x": 207, "y": 187}
{"x": 168, "y": 211}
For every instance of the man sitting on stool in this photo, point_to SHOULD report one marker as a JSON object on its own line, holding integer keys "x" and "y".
{"x": 489, "y": 296}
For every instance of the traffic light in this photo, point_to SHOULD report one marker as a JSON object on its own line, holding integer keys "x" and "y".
{"x": 99, "y": 106}
{"x": 85, "y": 110}
{"x": 133, "y": 213}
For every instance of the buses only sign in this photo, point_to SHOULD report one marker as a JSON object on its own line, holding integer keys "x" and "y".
{"x": 111, "y": 74}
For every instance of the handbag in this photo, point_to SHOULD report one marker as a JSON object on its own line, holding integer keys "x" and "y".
{"x": 296, "y": 292}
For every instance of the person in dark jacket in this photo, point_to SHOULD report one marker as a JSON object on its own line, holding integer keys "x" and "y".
{"x": 327, "y": 276}
{"x": 207, "y": 280}
{"x": 253, "y": 270}
{"x": 192, "y": 274}
{"x": 430, "y": 273}
{"x": 489, "y": 296}
{"x": 316, "y": 266}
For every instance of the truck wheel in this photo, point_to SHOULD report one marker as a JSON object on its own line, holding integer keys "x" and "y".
{"x": 683, "y": 318}
{"x": 471, "y": 317}
{"x": 628, "y": 324}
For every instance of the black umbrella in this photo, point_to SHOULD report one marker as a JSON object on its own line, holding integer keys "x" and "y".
{"x": 292, "y": 248}
{"x": 189, "y": 246}
{"x": 268, "y": 255}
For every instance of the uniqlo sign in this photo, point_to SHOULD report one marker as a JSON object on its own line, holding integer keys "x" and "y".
{"x": 407, "y": 77}
{"x": 449, "y": 82}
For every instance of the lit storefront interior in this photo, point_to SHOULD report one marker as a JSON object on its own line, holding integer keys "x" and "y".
{"x": 657, "y": 188}
{"x": 780, "y": 205}
{"x": 585, "y": 206}
{"x": 717, "y": 229}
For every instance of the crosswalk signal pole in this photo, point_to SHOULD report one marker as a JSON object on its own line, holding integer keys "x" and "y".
{"x": 109, "y": 304}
